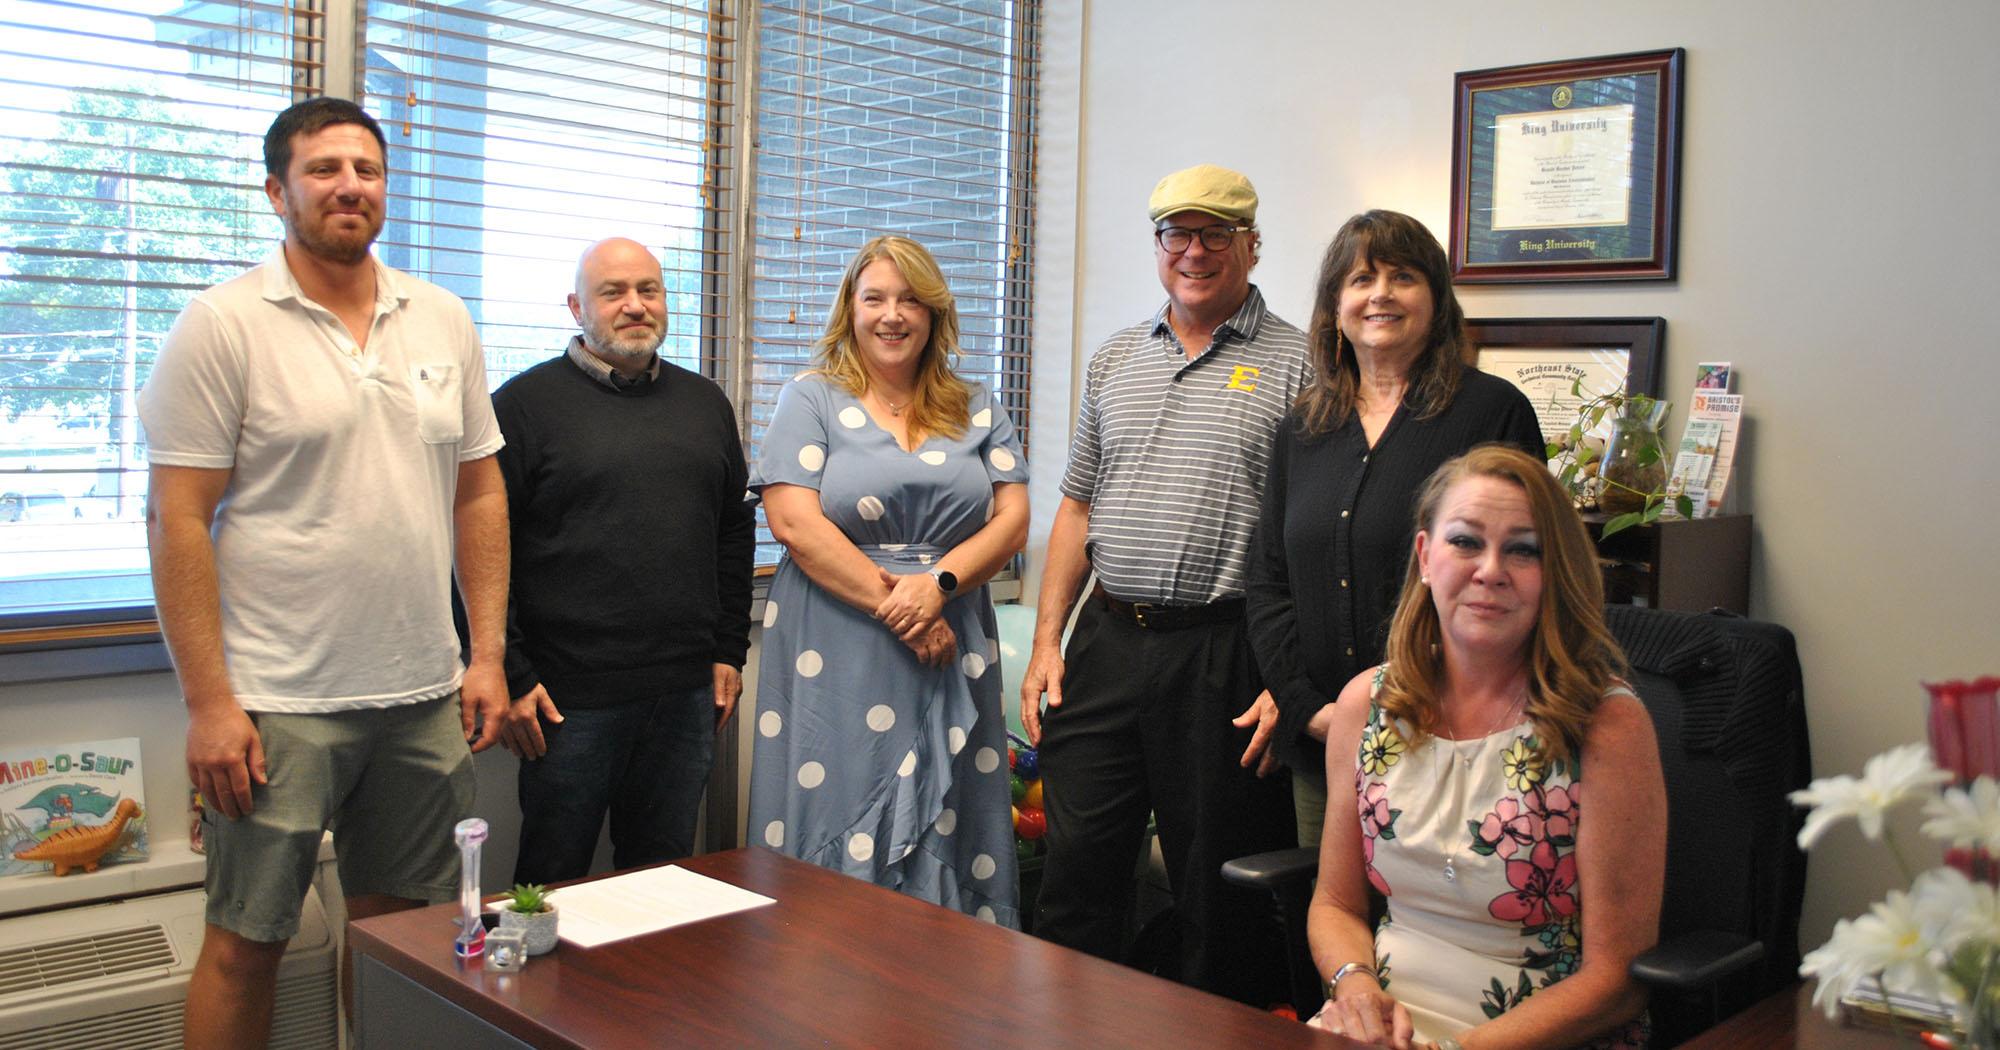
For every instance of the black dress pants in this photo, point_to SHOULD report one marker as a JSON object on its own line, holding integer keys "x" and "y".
{"x": 1145, "y": 727}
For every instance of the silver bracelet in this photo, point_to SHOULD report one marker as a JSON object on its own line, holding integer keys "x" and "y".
{"x": 1350, "y": 970}
{"x": 1449, "y": 1043}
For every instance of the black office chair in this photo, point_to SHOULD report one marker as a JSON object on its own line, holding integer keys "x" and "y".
{"x": 1728, "y": 707}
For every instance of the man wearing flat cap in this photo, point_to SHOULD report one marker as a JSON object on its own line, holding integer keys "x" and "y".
{"x": 1156, "y": 705}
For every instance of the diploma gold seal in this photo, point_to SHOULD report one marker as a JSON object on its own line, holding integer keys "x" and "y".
{"x": 1563, "y": 97}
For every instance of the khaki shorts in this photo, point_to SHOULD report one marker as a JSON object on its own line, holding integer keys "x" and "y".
{"x": 389, "y": 782}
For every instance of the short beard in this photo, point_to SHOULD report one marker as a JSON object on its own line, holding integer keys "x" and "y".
{"x": 608, "y": 345}
{"x": 339, "y": 250}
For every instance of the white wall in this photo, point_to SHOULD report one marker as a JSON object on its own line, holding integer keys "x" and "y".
{"x": 1838, "y": 233}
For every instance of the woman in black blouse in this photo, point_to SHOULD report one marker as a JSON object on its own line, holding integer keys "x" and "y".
{"x": 1389, "y": 401}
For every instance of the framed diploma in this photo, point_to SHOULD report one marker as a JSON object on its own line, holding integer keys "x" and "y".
{"x": 1567, "y": 171}
{"x": 1546, "y": 357}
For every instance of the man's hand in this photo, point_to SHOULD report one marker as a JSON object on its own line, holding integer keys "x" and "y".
{"x": 482, "y": 702}
{"x": 913, "y": 604}
{"x": 521, "y": 730}
{"x": 1044, "y": 676}
{"x": 1262, "y": 713}
{"x": 728, "y": 690}
{"x": 224, "y": 754}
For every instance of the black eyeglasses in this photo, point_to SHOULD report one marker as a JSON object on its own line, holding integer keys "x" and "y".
{"x": 1177, "y": 239}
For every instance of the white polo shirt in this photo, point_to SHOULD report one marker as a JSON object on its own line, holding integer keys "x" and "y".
{"x": 333, "y": 539}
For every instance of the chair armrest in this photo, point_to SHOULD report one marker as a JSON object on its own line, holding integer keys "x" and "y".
{"x": 1272, "y": 871}
{"x": 1694, "y": 960}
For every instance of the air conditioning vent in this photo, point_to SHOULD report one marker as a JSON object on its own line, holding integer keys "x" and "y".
{"x": 137, "y": 949}
{"x": 305, "y": 1021}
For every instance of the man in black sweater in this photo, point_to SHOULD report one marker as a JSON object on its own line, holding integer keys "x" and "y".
{"x": 630, "y": 610}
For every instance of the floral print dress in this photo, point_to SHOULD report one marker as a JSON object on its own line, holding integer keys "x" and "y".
{"x": 1473, "y": 842}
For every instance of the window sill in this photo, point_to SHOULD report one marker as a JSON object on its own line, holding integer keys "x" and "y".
{"x": 50, "y": 653}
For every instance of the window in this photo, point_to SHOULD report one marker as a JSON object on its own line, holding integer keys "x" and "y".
{"x": 893, "y": 116}
{"x": 523, "y": 130}
{"x": 131, "y": 179}
{"x": 519, "y": 131}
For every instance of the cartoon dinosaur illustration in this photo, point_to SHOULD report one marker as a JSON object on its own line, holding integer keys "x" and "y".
{"x": 82, "y": 847}
{"x": 82, "y": 798}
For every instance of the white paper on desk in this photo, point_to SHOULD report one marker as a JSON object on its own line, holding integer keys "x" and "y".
{"x": 622, "y": 906}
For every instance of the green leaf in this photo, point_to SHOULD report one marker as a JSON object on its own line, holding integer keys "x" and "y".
{"x": 1620, "y": 524}
{"x": 1649, "y": 455}
{"x": 1684, "y": 505}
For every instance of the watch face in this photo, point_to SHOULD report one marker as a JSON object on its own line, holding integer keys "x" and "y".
{"x": 947, "y": 581}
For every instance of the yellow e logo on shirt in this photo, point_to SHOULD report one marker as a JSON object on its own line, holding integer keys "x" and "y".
{"x": 1243, "y": 378}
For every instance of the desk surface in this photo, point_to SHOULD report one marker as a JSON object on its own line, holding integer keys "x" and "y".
{"x": 1787, "y": 1020}
{"x": 834, "y": 962}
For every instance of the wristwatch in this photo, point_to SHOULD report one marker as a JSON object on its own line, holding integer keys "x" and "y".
{"x": 947, "y": 581}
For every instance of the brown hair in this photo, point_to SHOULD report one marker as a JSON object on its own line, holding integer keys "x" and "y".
{"x": 1572, "y": 658}
{"x": 1378, "y": 237}
{"x": 941, "y": 402}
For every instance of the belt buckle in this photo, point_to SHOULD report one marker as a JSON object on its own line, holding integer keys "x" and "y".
{"x": 1139, "y": 611}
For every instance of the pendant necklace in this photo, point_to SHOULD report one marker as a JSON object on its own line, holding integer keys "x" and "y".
{"x": 894, "y": 408}
{"x": 1450, "y": 870}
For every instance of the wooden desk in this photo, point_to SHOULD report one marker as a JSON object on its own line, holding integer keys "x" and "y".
{"x": 1788, "y": 1019}
{"x": 835, "y": 962}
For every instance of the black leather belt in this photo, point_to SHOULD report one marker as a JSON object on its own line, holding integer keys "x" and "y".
{"x": 1157, "y": 617}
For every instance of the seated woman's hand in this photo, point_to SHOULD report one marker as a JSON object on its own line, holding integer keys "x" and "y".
{"x": 1373, "y": 1017}
{"x": 913, "y": 604}
{"x": 938, "y": 646}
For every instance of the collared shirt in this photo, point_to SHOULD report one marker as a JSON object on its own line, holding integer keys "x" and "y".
{"x": 595, "y": 367}
{"x": 333, "y": 540}
{"x": 1171, "y": 454}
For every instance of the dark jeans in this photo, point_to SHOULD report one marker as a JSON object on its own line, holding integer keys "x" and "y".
{"x": 646, "y": 761}
{"x": 1144, "y": 726}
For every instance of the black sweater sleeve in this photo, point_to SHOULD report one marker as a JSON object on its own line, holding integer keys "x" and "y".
{"x": 1270, "y": 613}
{"x": 514, "y": 471}
{"x": 735, "y": 553}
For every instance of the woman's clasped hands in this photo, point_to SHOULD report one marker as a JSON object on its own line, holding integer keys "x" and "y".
{"x": 913, "y": 611}
{"x": 1370, "y": 1016}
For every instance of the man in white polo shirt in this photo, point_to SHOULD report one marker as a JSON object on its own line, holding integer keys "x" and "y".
{"x": 1165, "y": 478}
{"x": 321, "y": 444}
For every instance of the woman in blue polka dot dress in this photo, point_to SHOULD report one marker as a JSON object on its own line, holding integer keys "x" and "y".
{"x": 898, "y": 490}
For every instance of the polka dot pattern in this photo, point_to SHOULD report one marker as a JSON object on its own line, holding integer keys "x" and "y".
{"x": 985, "y": 914}
{"x": 770, "y": 723}
{"x": 947, "y": 822}
{"x": 853, "y": 418}
{"x": 881, "y": 718}
{"x": 1002, "y": 459}
{"x": 809, "y": 664}
{"x": 812, "y": 457}
{"x": 861, "y": 846}
{"x": 983, "y": 418}
{"x": 972, "y": 664}
{"x": 983, "y": 866}
{"x": 986, "y": 760}
{"x": 869, "y": 508}
{"x": 909, "y": 765}
{"x": 770, "y": 613}
{"x": 812, "y": 775}
{"x": 774, "y": 834}
{"x": 934, "y": 457}
{"x": 955, "y": 739}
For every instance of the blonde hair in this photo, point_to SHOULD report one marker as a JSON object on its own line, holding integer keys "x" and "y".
{"x": 941, "y": 402}
{"x": 1572, "y": 658}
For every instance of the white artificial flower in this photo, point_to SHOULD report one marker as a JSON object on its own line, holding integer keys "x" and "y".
{"x": 1888, "y": 941}
{"x": 1952, "y": 910}
{"x": 1968, "y": 816}
{"x": 1891, "y": 778}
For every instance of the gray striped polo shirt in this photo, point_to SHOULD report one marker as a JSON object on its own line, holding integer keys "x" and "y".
{"x": 1171, "y": 453}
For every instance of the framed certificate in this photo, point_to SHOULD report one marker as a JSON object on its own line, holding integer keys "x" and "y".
{"x": 1546, "y": 357}
{"x": 1567, "y": 171}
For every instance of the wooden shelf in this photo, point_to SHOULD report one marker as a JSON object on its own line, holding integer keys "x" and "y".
{"x": 1686, "y": 566}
